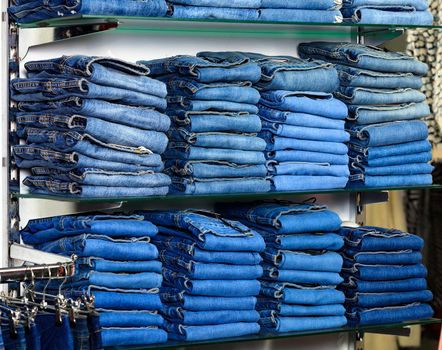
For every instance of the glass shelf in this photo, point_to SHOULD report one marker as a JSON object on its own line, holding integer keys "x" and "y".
{"x": 374, "y": 329}
{"x": 217, "y": 27}
{"x": 225, "y": 197}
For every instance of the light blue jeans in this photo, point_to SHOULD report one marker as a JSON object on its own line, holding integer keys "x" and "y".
{"x": 364, "y": 57}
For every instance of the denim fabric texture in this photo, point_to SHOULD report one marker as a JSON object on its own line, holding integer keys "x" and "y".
{"x": 301, "y": 264}
{"x": 116, "y": 265}
{"x": 211, "y": 267}
{"x": 93, "y": 127}
{"x": 214, "y": 146}
{"x": 29, "y": 11}
{"x": 384, "y": 279}
{"x": 384, "y": 104}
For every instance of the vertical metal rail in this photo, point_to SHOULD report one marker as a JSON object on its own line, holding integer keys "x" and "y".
{"x": 12, "y": 139}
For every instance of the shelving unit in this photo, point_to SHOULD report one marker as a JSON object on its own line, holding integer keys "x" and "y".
{"x": 137, "y": 38}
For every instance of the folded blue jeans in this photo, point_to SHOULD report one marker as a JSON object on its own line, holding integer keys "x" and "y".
{"x": 102, "y": 265}
{"x": 189, "y": 186}
{"x": 249, "y": 4}
{"x": 46, "y": 186}
{"x": 386, "y": 272}
{"x": 302, "y": 277}
{"x": 214, "y": 169}
{"x": 318, "y": 103}
{"x": 300, "y": 4}
{"x": 288, "y": 293}
{"x": 178, "y": 298}
{"x": 420, "y": 5}
{"x": 201, "y": 12}
{"x": 86, "y": 245}
{"x": 51, "y": 228}
{"x": 299, "y": 324}
{"x": 180, "y": 102}
{"x": 304, "y": 261}
{"x": 370, "y": 96}
{"x": 401, "y": 149}
{"x": 143, "y": 280}
{"x": 83, "y": 144}
{"x": 91, "y": 128}
{"x": 372, "y": 238}
{"x": 119, "y": 299}
{"x": 314, "y": 241}
{"x": 395, "y": 15}
{"x": 225, "y": 288}
{"x": 400, "y": 257}
{"x": 268, "y": 307}
{"x": 361, "y": 56}
{"x": 283, "y": 217}
{"x": 211, "y": 271}
{"x": 209, "y": 230}
{"x": 299, "y": 119}
{"x": 45, "y": 87}
{"x": 363, "y": 115}
{"x": 184, "y": 151}
{"x": 405, "y": 285}
{"x": 307, "y": 156}
{"x": 370, "y": 300}
{"x": 189, "y": 251}
{"x": 138, "y": 336}
{"x": 386, "y": 134}
{"x": 361, "y": 180}
{"x": 352, "y": 76}
{"x": 128, "y": 318}
{"x": 39, "y": 10}
{"x": 287, "y": 73}
{"x": 306, "y": 133}
{"x": 307, "y": 183}
{"x": 211, "y": 121}
{"x": 202, "y": 318}
{"x": 106, "y": 178}
{"x": 300, "y": 15}
{"x": 360, "y": 159}
{"x": 240, "y": 92}
{"x": 394, "y": 314}
{"x": 137, "y": 117}
{"x": 199, "y": 333}
{"x": 222, "y": 140}
{"x": 29, "y": 156}
{"x": 306, "y": 168}
{"x": 278, "y": 143}
{"x": 392, "y": 170}
{"x": 232, "y": 68}
{"x": 101, "y": 70}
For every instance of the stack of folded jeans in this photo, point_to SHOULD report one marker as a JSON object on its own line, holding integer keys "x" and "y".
{"x": 405, "y": 12}
{"x": 219, "y": 152}
{"x": 301, "y": 265}
{"x": 211, "y": 270}
{"x": 388, "y": 145}
{"x": 92, "y": 126}
{"x": 318, "y": 11}
{"x": 116, "y": 265}
{"x": 244, "y": 10}
{"x": 302, "y": 122}
{"x": 28, "y": 11}
{"x": 384, "y": 276}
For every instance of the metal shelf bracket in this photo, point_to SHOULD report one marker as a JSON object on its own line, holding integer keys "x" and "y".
{"x": 24, "y": 253}
{"x": 38, "y": 36}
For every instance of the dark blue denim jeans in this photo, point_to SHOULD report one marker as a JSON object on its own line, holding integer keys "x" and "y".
{"x": 210, "y": 230}
{"x": 283, "y": 217}
{"x": 51, "y": 228}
